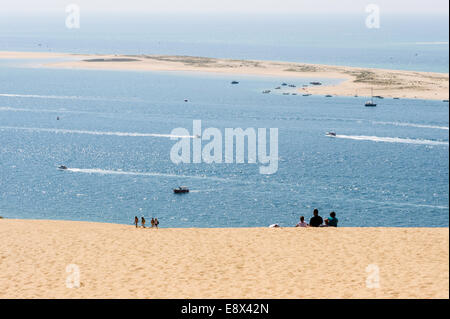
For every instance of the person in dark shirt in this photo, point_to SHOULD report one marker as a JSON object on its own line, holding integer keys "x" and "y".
{"x": 316, "y": 220}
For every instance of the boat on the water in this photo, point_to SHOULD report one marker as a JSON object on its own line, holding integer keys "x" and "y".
{"x": 333, "y": 134}
{"x": 328, "y": 95}
{"x": 62, "y": 167}
{"x": 181, "y": 190}
{"x": 278, "y": 88}
{"x": 283, "y": 84}
{"x": 234, "y": 82}
{"x": 307, "y": 94}
{"x": 315, "y": 83}
{"x": 266, "y": 91}
{"x": 370, "y": 103}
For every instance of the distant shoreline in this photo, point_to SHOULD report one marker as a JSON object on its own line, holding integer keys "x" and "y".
{"x": 120, "y": 261}
{"x": 356, "y": 81}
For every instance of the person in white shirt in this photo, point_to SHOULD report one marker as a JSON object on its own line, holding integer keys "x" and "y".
{"x": 302, "y": 222}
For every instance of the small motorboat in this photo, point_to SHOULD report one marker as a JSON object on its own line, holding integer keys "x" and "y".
{"x": 315, "y": 83}
{"x": 283, "y": 84}
{"x": 181, "y": 190}
{"x": 333, "y": 134}
{"x": 62, "y": 167}
{"x": 328, "y": 95}
{"x": 292, "y": 86}
{"x": 234, "y": 82}
{"x": 186, "y": 100}
{"x": 307, "y": 94}
{"x": 286, "y": 93}
{"x": 294, "y": 93}
{"x": 266, "y": 91}
{"x": 278, "y": 88}
{"x": 57, "y": 118}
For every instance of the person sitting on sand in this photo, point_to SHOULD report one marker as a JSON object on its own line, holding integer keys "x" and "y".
{"x": 302, "y": 222}
{"x": 316, "y": 220}
{"x": 143, "y": 221}
{"x": 153, "y": 222}
{"x": 136, "y": 221}
{"x": 156, "y": 222}
{"x": 331, "y": 221}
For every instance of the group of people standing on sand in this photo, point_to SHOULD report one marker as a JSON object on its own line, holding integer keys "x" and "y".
{"x": 154, "y": 222}
{"x": 317, "y": 221}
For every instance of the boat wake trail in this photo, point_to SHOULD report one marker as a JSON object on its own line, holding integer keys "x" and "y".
{"x": 64, "y": 131}
{"x": 114, "y": 172}
{"x": 392, "y": 140}
{"x": 66, "y": 97}
{"x": 412, "y": 125}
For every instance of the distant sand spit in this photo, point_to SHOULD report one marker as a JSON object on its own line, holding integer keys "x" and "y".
{"x": 355, "y": 81}
{"x": 120, "y": 261}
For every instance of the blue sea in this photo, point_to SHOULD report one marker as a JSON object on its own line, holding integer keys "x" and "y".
{"x": 388, "y": 166}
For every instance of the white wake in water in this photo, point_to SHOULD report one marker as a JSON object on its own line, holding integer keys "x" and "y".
{"x": 413, "y": 125}
{"x": 64, "y": 97}
{"x": 391, "y": 140}
{"x": 64, "y": 131}
{"x": 113, "y": 172}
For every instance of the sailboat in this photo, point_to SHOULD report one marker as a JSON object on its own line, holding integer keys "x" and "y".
{"x": 370, "y": 103}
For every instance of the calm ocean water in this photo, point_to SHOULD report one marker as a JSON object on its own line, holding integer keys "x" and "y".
{"x": 396, "y": 174}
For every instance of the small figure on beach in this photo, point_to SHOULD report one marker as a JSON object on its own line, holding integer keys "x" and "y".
{"x": 153, "y": 222}
{"x": 331, "y": 221}
{"x": 302, "y": 222}
{"x": 316, "y": 220}
{"x": 136, "y": 221}
{"x": 143, "y": 222}
{"x": 156, "y": 222}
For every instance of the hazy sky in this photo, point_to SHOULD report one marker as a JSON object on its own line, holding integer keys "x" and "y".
{"x": 230, "y": 6}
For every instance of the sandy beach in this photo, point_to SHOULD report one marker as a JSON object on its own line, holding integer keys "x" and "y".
{"x": 355, "y": 81}
{"x": 120, "y": 261}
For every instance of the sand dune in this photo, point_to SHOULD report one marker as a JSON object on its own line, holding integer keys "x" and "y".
{"x": 120, "y": 261}
{"x": 360, "y": 81}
